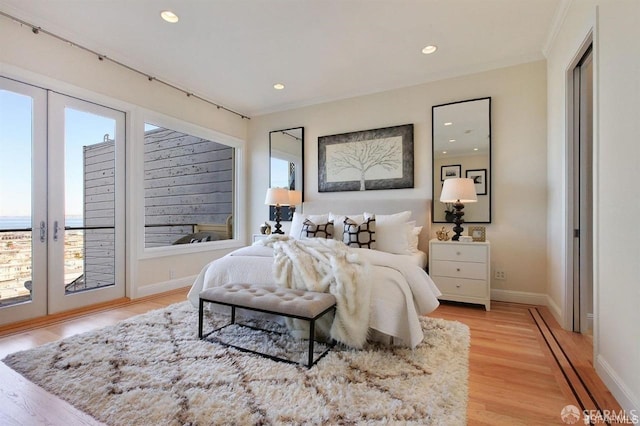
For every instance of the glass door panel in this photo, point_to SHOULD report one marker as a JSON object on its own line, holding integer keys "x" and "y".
{"x": 89, "y": 185}
{"x": 87, "y": 200}
{"x": 22, "y": 201}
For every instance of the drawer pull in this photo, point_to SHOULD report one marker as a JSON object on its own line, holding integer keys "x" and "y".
{"x": 458, "y": 253}
{"x": 458, "y": 269}
{"x": 457, "y": 285}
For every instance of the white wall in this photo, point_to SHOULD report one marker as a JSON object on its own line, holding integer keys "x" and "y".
{"x": 518, "y": 231}
{"x": 616, "y": 252}
{"x": 47, "y": 62}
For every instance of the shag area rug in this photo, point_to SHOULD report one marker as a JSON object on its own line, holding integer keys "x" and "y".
{"x": 153, "y": 370}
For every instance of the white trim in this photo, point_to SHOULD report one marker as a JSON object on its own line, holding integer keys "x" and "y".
{"x": 164, "y": 286}
{"x": 558, "y": 21}
{"x": 595, "y": 42}
{"x": 625, "y": 397}
{"x": 143, "y": 116}
{"x": 512, "y": 296}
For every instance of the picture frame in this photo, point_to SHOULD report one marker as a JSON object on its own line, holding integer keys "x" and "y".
{"x": 479, "y": 177}
{"x": 366, "y": 160}
{"x": 450, "y": 171}
{"x": 477, "y": 233}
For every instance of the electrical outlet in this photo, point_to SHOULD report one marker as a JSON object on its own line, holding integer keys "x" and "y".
{"x": 172, "y": 274}
{"x": 500, "y": 274}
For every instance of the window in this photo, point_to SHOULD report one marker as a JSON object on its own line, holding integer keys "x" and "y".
{"x": 189, "y": 186}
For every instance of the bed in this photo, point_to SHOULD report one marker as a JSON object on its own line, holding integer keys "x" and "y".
{"x": 397, "y": 286}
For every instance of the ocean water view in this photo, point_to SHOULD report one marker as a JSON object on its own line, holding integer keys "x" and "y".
{"x": 24, "y": 222}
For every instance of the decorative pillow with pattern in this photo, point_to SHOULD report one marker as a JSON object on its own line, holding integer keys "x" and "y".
{"x": 316, "y": 230}
{"x": 360, "y": 235}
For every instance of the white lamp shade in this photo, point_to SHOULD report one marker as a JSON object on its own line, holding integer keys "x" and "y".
{"x": 277, "y": 197}
{"x": 295, "y": 197}
{"x": 458, "y": 189}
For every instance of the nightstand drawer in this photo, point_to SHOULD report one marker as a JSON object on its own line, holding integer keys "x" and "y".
{"x": 453, "y": 251}
{"x": 446, "y": 268}
{"x": 461, "y": 287}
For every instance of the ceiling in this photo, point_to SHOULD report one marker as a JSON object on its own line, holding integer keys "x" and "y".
{"x": 232, "y": 52}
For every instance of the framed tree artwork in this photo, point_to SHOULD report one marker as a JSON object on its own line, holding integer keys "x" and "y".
{"x": 366, "y": 160}
{"x": 479, "y": 177}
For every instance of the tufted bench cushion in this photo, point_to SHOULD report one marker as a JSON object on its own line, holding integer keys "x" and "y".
{"x": 284, "y": 301}
{"x": 299, "y": 304}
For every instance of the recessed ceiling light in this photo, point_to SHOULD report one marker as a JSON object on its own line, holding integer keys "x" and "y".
{"x": 278, "y": 86}
{"x": 448, "y": 123}
{"x": 475, "y": 149}
{"x": 428, "y": 50}
{"x": 444, "y": 152}
{"x": 452, "y": 140}
{"x": 169, "y": 16}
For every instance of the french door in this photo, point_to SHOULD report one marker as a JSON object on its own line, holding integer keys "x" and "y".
{"x": 61, "y": 202}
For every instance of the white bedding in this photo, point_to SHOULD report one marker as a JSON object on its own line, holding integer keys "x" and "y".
{"x": 400, "y": 290}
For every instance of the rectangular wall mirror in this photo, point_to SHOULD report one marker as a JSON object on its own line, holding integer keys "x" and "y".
{"x": 286, "y": 153}
{"x": 461, "y": 135}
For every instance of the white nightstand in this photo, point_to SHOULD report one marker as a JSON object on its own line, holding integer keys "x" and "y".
{"x": 258, "y": 237}
{"x": 461, "y": 271}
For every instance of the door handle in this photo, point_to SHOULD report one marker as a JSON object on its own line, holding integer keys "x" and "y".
{"x": 43, "y": 231}
{"x": 56, "y": 228}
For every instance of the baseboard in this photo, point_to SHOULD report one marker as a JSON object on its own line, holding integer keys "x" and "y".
{"x": 629, "y": 402}
{"x": 518, "y": 297}
{"x": 555, "y": 311}
{"x": 161, "y": 287}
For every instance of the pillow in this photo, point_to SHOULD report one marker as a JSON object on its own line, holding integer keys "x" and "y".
{"x": 360, "y": 235}
{"x": 338, "y": 222}
{"x": 391, "y": 232}
{"x": 412, "y": 237}
{"x": 298, "y": 221}
{"x": 319, "y": 230}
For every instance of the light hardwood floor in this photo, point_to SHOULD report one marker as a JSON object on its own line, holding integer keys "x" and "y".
{"x": 514, "y": 377}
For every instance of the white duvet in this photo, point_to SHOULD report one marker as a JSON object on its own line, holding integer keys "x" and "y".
{"x": 400, "y": 290}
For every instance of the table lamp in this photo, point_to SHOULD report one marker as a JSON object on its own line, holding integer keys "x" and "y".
{"x": 277, "y": 197}
{"x": 458, "y": 191}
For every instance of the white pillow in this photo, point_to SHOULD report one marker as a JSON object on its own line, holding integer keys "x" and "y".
{"x": 413, "y": 237}
{"x": 338, "y": 222}
{"x": 298, "y": 221}
{"x": 391, "y": 232}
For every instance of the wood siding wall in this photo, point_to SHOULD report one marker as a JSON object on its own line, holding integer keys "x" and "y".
{"x": 188, "y": 181}
{"x": 99, "y": 211}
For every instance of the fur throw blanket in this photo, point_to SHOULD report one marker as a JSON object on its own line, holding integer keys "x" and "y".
{"x": 326, "y": 265}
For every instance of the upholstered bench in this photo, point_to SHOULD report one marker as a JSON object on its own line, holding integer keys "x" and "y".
{"x": 303, "y": 305}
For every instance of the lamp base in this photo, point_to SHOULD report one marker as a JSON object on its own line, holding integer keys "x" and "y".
{"x": 277, "y": 226}
{"x": 458, "y": 213}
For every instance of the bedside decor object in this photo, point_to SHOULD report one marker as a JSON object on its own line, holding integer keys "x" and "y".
{"x": 458, "y": 191}
{"x": 277, "y": 197}
{"x": 477, "y": 233}
{"x": 265, "y": 229}
{"x": 365, "y": 160}
{"x": 465, "y": 239}
{"x": 442, "y": 234}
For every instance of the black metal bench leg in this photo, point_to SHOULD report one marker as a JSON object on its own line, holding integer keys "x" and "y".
{"x": 233, "y": 315}
{"x": 200, "y": 319}
{"x": 312, "y": 334}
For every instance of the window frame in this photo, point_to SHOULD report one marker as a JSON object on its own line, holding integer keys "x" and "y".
{"x": 138, "y": 206}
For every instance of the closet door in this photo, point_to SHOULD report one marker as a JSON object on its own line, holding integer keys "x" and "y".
{"x": 86, "y": 203}
{"x": 23, "y": 201}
